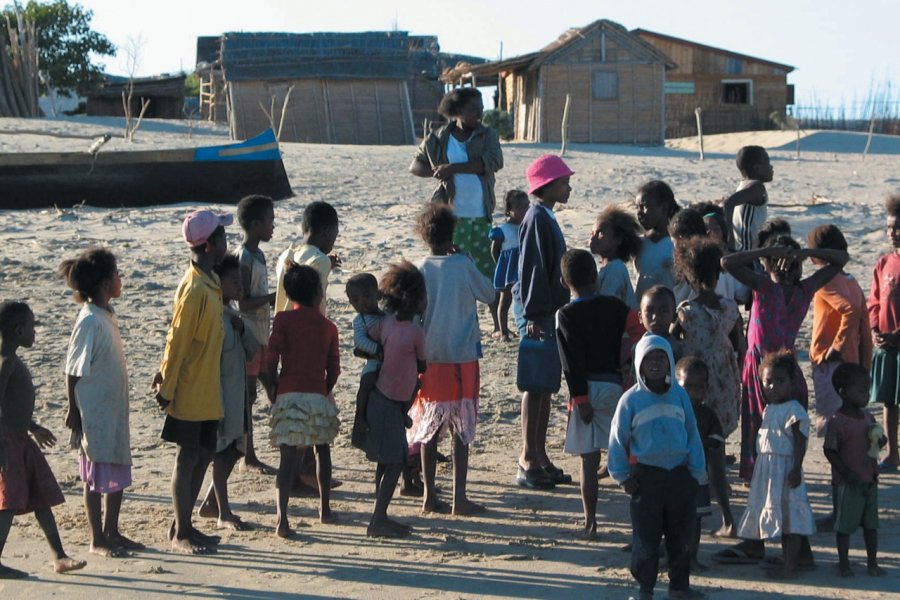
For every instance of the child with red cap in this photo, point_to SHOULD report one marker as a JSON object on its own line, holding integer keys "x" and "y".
{"x": 537, "y": 296}
{"x": 188, "y": 385}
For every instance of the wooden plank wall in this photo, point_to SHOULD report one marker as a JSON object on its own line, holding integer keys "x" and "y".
{"x": 360, "y": 111}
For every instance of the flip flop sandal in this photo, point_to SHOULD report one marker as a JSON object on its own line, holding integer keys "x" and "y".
{"x": 556, "y": 475}
{"x": 534, "y": 478}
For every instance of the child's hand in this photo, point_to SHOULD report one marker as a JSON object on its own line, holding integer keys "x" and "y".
{"x": 534, "y": 330}
{"x": 162, "y": 402}
{"x": 442, "y": 172}
{"x": 157, "y": 382}
{"x": 73, "y": 420}
{"x": 42, "y": 435}
{"x": 237, "y": 323}
{"x": 795, "y": 477}
{"x": 335, "y": 261}
{"x": 631, "y": 486}
{"x": 586, "y": 412}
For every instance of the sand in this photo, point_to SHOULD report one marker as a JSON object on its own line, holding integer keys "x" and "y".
{"x": 524, "y": 546}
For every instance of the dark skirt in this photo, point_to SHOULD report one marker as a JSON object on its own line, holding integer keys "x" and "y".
{"x": 27, "y": 484}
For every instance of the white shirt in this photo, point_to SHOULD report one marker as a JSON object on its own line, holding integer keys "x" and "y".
{"x": 748, "y": 219}
{"x": 468, "y": 200}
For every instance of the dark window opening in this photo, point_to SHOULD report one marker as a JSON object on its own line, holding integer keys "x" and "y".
{"x": 736, "y": 93}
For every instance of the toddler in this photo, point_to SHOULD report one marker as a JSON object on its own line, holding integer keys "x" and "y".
{"x": 505, "y": 250}
{"x": 362, "y": 293}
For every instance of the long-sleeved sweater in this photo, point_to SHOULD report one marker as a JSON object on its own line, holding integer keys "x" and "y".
{"x": 541, "y": 248}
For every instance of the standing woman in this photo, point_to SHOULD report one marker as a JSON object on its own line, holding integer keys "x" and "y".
{"x": 463, "y": 156}
{"x": 537, "y": 296}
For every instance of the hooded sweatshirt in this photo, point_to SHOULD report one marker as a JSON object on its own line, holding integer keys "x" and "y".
{"x": 658, "y": 430}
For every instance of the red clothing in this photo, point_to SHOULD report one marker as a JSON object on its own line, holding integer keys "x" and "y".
{"x": 404, "y": 346}
{"x": 849, "y": 437}
{"x": 306, "y": 343}
{"x": 884, "y": 298}
{"x": 840, "y": 322}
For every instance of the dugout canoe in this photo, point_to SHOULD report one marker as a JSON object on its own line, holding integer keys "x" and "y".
{"x": 219, "y": 174}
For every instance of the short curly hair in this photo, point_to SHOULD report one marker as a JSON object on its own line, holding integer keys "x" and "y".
{"x": 13, "y": 314}
{"x": 772, "y": 228}
{"x": 403, "y": 289}
{"x": 579, "y": 269}
{"x": 454, "y": 100}
{"x": 252, "y": 208}
{"x": 687, "y": 223}
{"x": 626, "y": 228}
{"x": 892, "y": 205}
{"x": 662, "y": 193}
{"x": 782, "y": 359}
{"x": 302, "y": 284}
{"x": 512, "y": 198}
{"x": 698, "y": 262}
{"x": 436, "y": 224}
{"x": 319, "y": 216}
{"x": 846, "y": 374}
{"x": 692, "y": 364}
{"x": 748, "y": 157}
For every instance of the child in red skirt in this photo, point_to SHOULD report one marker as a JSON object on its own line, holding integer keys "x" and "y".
{"x": 26, "y": 482}
{"x": 448, "y": 398}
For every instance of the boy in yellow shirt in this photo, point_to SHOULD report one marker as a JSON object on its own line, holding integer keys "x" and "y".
{"x": 188, "y": 386}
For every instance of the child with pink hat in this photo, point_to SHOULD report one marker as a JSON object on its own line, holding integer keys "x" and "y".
{"x": 537, "y": 296}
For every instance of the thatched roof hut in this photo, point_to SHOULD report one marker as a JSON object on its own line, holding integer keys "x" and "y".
{"x": 165, "y": 93}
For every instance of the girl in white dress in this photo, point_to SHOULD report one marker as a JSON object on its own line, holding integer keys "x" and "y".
{"x": 778, "y": 505}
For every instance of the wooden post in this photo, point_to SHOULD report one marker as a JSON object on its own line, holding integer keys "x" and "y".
{"x": 565, "y": 125}
{"x": 871, "y": 132}
{"x": 698, "y": 111}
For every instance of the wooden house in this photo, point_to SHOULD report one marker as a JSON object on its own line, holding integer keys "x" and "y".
{"x": 345, "y": 88}
{"x": 614, "y": 81}
{"x": 165, "y": 93}
{"x": 736, "y": 92}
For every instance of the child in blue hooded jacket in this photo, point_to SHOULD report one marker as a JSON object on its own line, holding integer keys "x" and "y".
{"x": 656, "y": 455}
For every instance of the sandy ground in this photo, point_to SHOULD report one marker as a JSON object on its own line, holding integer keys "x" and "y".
{"x": 524, "y": 545}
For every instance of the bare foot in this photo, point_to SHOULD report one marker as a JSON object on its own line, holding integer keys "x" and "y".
{"x": 398, "y": 525}
{"x": 726, "y": 531}
{"x": 233, "y": 522}
{"x": 497, "y": 335}
{"x": 107, "y": 550}
{"x": 186, "y": 546}
{"x": 435, "y": 506}
{"x": 875, "y": 571}
{"x": 66, "y": 564}
{"x": 845, "y": 570}
{"x": 328, "y": 518}
{"x": 285, "y": 533}
{"x": 587, "y": 533}
{"x": 254, "y": 465}
{"x": 10, "y": 573}
{"x": 120, "y": 541}
{"x": 782, "y": 574}
{"x": 384, "y": 529}
{"x": 602, "y": 472}
{"x": 467, "y": 507}
{"x": 697, "y": 566}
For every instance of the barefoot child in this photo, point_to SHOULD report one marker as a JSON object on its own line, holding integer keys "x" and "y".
{"x": 852, "y": 443}
{"x": 747, "y": 208}
{"x": 777, "y": 505}
{"x": 884, "y": 317}
{"x": 656, "y": 455}
{"x": 656, "y": 206}
{"x": 97, "y": 386}
{"x": 26, "y": 482}
{"x": 305, "y": 343}
{"x": 239, "y": 345}
{"x": 363, "y": 295}
{"x": 188, "y": 385}
{"x": 448, "y": 398}
{"x": 403, "y": 342}
{"x": 256, "y": 216}
{"x": 693, "y": 375}
{"x": 594, "y": 334}
{"x": 505, "y": 250}
{"x": 616, "y": 239}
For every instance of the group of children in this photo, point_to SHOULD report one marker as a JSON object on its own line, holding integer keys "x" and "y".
{"x": 659, "y": 375}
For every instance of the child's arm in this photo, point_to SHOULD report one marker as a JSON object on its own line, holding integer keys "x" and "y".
{"x": 496, "y": 246}
{"x": 836, "y": 260}
{"x": 179, "y": 341}
{"x": 273, "y": 354}
{"x": 795, "y": 477}
{"x": 840, "y": 466}
{"x": 363, "y": 345}
{"x": 572, "y": 352}
{"x": 73, "y": 415}
{"x": 740, "y": 264}
{"x": 333, "y": 367}
{"x": 754, "y": 194}
{"x": 248, "y": 302}
{"x": 696, "y": 456}
{"x": 43, "y": 436}
{"x": 739, "y": 341}
{"x": 249, "y": 343}
{"x": 421, "y": 365}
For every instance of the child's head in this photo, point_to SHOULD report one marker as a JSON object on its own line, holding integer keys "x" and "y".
{"x": 686, "y": 223}
{"x": 783, "y": 270}
{"x": 204, "y": 232}
{"x": 515, "y": 205}
{"x": 658, "y": 310}
{"x": 851, "y": 382}
{"x": 776, "y": 373}
{"x": 656, "y": 205}
{"x": 697, "y": 261}
{"x": 771, "y": 228}
{"x": 548, "y": 179}
{"x": 16, "y": 324}
{"x": 692, "y": 373}
{"x": 302, "y": 284}
{"x": 362, "y": 292}
{"x": 436, "y": 225}
{"x": 654, "y": 364}
{"x": 229, "y": 272}
{"x": 579, "y": 271}
{"x": 320, "y": 225}
{"x": 825, "y": 237}
{"x": 753, "y": 163}
{"x": 714, "y": 219}
{"x": 616, "y": 234}
{"x": 403, "y": 291}
{"x": 464, "y": 105}
{"x": 256, "y": 216}
{"x": 892, "y": 207}
{"x": 92, "y": 275}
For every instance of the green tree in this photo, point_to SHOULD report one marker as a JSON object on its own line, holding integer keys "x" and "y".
{"x": 66, "y": 44}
